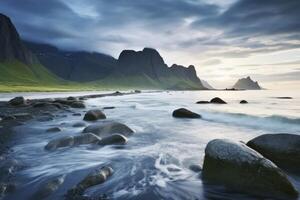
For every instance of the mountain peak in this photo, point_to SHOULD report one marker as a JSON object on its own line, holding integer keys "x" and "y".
{"x": 12, "y": 48}
{"x": 247, "y": 84}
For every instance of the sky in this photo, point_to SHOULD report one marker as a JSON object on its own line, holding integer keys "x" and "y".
{"x": 224, "y": 39}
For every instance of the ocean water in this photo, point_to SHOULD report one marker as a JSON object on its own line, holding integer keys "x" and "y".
{"x": 154, "y": 164}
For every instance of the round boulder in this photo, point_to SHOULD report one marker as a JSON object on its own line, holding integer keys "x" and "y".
{"x": 217, "y": 100}
{"x": 60, "y": 142}
{"x": 104, "y": 129}
{"x": 185, "y": 113}
{"x": 17, "y": 101}
{"x": 113, "y": 139}
{"x": 93, "y": 115}
{"x": 88, "y": 138}
{"x": 236, "y": 166}
{"x": 243, "y": 102}
{"x": 282, "y": 149}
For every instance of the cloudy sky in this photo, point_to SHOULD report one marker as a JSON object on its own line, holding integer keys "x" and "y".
{"x": 224, "y": 39}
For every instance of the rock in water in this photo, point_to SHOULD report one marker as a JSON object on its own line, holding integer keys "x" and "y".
{"x": 185, "y": 113}
{"x": 282, "y": 149}
{"x": 93, "y": 115}
{"x": 202, "y": 102}
{"x": 217, "y": 100}
{"x": 243, "y": 102}
{"x": 113, "y": 139}
{"x": 104, "y": 129}
{"x": 88, "y": 138}
{"x": 77, "y": 104}
{"x": 60, "y": 142}
{"x": 17, "y": 101}
{"x": 97, "y": 177}
{"x": 49, "y": 188}
{"x": 54, "y": 129}
{"x": 235, "y": 165}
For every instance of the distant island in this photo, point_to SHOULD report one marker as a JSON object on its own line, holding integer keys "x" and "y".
{"x": 246, "y": 84}
{"x": 28, "y": 66}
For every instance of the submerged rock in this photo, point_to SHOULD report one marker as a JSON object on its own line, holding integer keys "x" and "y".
{"x": 217, "y": 100}
{"x": 72, "y": 99}
{"x": 185, "y": 113}
{"x": 93, "y": 115}
{"x": 50, "y": 187}
{"x": 53, "y": 130}
{"x": 282, "y": 149}
{"x": 202, "y": 102}
{"x": 45, "y": 119}
{"x": 79, "y": 124}
{"x": 195, "y": 168}
{"x": 104, "y": 129}
{"x": 17, "y": 101}
{"x": 235, "y": 165}
{"x": 113, "y": 139}
{"x": 243, "y": 102}
{"x": 77, "y": 104}
{"x": 109, "y": 107}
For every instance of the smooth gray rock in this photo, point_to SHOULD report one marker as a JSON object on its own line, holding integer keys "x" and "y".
{"x": 113, "y": 139}
{"x": 185, "y": 113}
{"x": 50, "y": 187}
{"x": 93, "y": 115}
{"x": 104, "y": 129}
{"x": 235, "y": 165}
{"x": 17, "y": 101}
{"x": 87, "y": 138}
{"x": 282, "y": 149}
{"x": 60, "y": 142}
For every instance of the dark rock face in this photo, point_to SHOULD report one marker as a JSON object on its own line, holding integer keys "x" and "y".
{"x": 93, "y": 115}
{"x": 217, "y": 100}
{"x": 185, "y": 113}
{"x": 12, "y": 48}
{"x": 243, "y": 102}
{"x": 239, "y": 167}
{"x": 17, "y": 101}
{"x": 282, "y": 149}
{"x": 113, "y": 139}
{"x": 246, "y": 84}
{"x": 104, "y": 129}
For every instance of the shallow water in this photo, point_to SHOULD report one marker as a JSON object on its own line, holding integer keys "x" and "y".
{"x": 155, "y": 162}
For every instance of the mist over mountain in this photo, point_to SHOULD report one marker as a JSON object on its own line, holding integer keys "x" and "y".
{"x": 247, "y": 84}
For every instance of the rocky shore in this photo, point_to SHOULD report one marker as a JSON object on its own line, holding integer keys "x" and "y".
{"x": 260, "y": 167}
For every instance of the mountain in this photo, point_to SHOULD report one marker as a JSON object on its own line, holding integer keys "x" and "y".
{"x": 247, "y": 84}
{"x": 74, "y": 66}
{"x": 18, "y": 66}
{"x": 139, "y": 69}
{"x": 207, "y": 85}
{"x": 11, "y": 46}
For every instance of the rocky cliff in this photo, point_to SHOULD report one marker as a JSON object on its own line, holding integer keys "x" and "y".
{"x": 247, "y": 84}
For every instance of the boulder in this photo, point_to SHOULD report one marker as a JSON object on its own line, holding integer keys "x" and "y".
{"x": 104, "y": 129}
{"x": 50, "y": 187}
{"x": 113, "y": 139}
{"x": 72, "y": 99}
{"x": 93, "y": 115}
{"x": 185, "y": 113}
{"x": 96, "y": 177}
{"x": 79, "y": 124}
{"x": 217, "y": 100}
{"x": 53, "y": 130}
{"x": 88, "y": 138}
{"x": 18, "y": 101}
{"x": 243, "y": 102}
{"x": 60, "y": 142}
{"x": 77, "y": 104}
{"x": 282, "y": 149}
{"x": 202, "y": 102}
{"x": 236, "y": 166}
